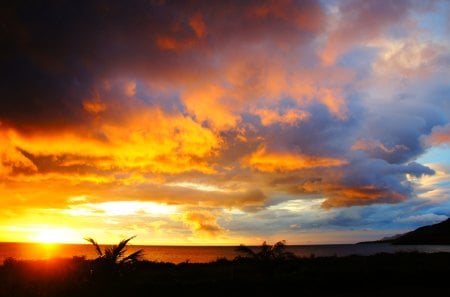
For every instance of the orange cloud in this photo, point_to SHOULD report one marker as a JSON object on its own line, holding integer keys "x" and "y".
{"x": 335, "y": 103}
{"x": 340, "y": 195}
{"x": 269, "y": 77}
{"x": 11, "y": 158}
{"x": 291, "y": 117}
{"x": 94, "y": 106}
{"x": 363, "y": 195}
{"x": 167, "y": 43}
{"x": 198, "y": 25}
{"x": 439, "y": 135}
{"x": 211, "y": 104}
{"x": 172, "y": 43}
{"x": 153, "y": 140}
{"x": 130, "y": 88}
{"x": 203, "y": 223}
{"x": 287, "y": 161}
{"x": 149, "y": 140}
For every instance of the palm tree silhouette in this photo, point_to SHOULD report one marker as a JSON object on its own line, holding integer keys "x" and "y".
{"x": 268, "y": 259}
{"x": 112, "y": 260}
{"x": 266, "y": 252}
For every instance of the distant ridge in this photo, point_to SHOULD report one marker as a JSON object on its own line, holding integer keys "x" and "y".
{"x": 433, "y": 234}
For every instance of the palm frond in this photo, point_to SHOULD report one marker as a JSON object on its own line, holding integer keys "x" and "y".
{"x": 109, "y": 254}
{"x": 279, "y": 247}
{"x": 134, "y": 257}
{"x": 96, "y": 245}
{"x": 265, "y": 252}
{"x": 280, "y": 252}
{"x": 120, "y": 249}
{"x": 243, "y": 249}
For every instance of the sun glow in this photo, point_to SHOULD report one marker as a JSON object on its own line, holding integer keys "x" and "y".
{"x": 120, "y": 208}
{"x": 200, "y": 187}
{"x": 49, "y": 235}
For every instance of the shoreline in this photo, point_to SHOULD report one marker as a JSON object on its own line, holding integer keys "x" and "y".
{"x": 204, "y": 254}
{"x": 398, "y": 274}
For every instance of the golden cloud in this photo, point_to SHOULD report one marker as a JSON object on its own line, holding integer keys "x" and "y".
{"x": 291, "y": 117}
{"x": 94, "y": 106}
{"x": 263, "y": 160}
{"x": 210, "y": 103}
{"x": 150, "y": 140}
{"x": 203, "y": 223}
{"x": 341, "y": 196}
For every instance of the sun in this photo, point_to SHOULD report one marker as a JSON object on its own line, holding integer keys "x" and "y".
{"x": 50, "y": 235}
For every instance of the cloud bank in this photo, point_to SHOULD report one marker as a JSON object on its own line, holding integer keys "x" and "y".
{"x": 225, "y": 110}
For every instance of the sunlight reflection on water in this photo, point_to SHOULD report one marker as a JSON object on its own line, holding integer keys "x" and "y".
{"x": 199, "y": 254}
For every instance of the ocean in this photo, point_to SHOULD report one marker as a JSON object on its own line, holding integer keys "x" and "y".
{"x": 199, "y": 254}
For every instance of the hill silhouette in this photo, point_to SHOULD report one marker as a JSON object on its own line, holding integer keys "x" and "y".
{"x": 433, "y": 234}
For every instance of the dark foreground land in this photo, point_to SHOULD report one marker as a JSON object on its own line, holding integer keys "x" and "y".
{"x": 401, "y": 274}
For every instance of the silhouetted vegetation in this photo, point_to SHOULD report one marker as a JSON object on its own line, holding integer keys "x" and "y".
{"x": 266, "y": 252}
{"x": 267, "y": 258}
{"x": 400, "y": 274}
{"x": 112, "y": 261}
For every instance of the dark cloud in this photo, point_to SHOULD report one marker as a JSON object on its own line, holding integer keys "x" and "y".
{"x": 55, "y": 52}
{"x": 396, "y": 133}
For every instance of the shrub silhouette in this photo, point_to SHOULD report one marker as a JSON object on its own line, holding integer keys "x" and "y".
{"x": 266, "y": 252}
{"x": 112, "y": 262}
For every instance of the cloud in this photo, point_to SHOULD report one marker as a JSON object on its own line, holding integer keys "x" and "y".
{"x": 439, "y": 135}
{"x": 424, "y": 219}
{"x": 228, "y": 106}
{"x": 362, "y": 195}
{"x": 94, "y": 106}
{"x": 291, "y": 117}
{"x": 149, "y": 140}
{"x": 280, "y": 161}
{"x": 371, "y": 20}
{"x": 203, "y": 223}
{"x": 198, "y": 25}
{"x": 411, "y": 58}
{"x": 374, "y": 146}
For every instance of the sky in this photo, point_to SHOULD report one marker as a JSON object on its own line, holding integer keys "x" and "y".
{"x": 223, "y": 122}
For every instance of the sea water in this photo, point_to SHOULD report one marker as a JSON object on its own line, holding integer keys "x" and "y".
{"x": 200, "y": 254}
